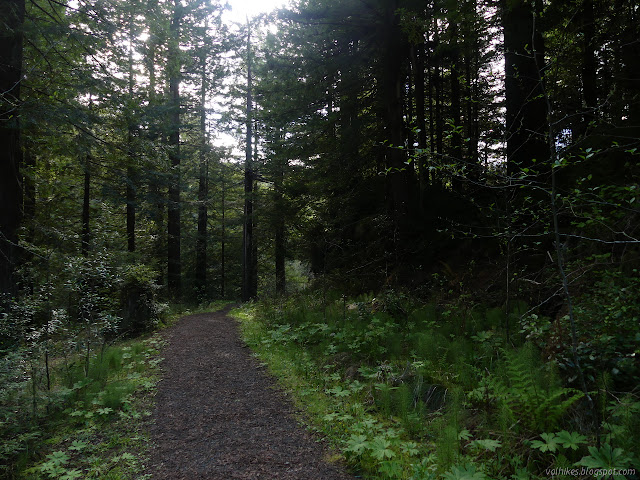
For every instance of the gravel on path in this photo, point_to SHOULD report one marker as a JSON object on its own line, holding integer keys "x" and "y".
{"x": 218, "y": 415}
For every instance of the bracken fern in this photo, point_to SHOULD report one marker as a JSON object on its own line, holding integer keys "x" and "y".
{"x": 530, "y": 390}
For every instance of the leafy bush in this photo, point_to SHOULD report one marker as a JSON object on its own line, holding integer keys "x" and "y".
{"x": 609, "y": 326}
{"x": 443, "y": 378}
{"x": 140, "y": 308}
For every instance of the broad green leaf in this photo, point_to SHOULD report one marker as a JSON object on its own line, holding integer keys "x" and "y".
{"x": 381, "y": 448}
{"x": 357, "y": 444}
{"x": 486, "y": 444}
{"x": 465, "y": 472}
{"x": 605, "y": 458}
{"x": 570, "y": 440}
{"x": 550, "y": 443}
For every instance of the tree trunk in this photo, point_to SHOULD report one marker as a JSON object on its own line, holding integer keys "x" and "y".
{"x": 249, "y": 283}
{"x": 432, "y": 118}
{"x": 456, "y": 116}
{"x": 417, "y": 53}
{"x": 223, "y": 235}
{"x": 174, "y": 264}
{"x": 155, "y": 185}
{"x": 471, "y": 61}
{"x": 472, "y": 121}
{"x": 12, "y": 15}
{"x": 85, "y": 238}
{"x": 392, "y": 84}
{"x": 437, "y": 84}
{"x": 280, "y": 238}
{"x": 630, "y": 81}
{"x": 29, "y": 192}
{"x": 589, "y": 62}
{"x": 131, "y": 173}
{"x": 203, "y": 192}
{"x": 526, "y": 107}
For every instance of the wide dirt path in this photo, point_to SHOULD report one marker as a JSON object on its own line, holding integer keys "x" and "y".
{"x": 219, "y": 416}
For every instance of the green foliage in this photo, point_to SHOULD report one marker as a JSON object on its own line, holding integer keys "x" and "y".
{"x": 605, "y": 459}
{"x": 140, "y": 307}
{"x": 82, "y": 404}
{"x": 609, "y": 322}
{"x": 453, "y": 387}
{"x": 467, "y": 471}
{"x": 531, "y": 390}
{"x": 621, "y": 426}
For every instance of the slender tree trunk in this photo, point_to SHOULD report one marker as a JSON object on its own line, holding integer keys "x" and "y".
{"x": 254, "y": 217}
{"x": 630, "y": 81}
{"x": 280, "y": 237}
{"x": 280, "y": 254}
{"x": 456, "y": 116}
{"x": 470, "y": 92}
{"x": 432, "y": 117}
{"x": 12, "y": 16}
{"x": 157, "y": 198}
{"x": 392, "y": 88}
{"x": 223, "y": 236}
{"x": 174, "y": 264}
{"x": 417, "y": 53}
{"x": 131, "y": 173}
{"x": 526, "y": 108}
{"x": 410, "y": 114}
{"x": 248, "y": 282}
{"x": 437, "y": 84}
{"x": 203, "y": 191}
{"x": 589, "y": 62}
{"x": 131, "y": 210}
{"x": 29, "y": 190}
{"x": 473, "y": 107}
{"x": 86, "y": 210}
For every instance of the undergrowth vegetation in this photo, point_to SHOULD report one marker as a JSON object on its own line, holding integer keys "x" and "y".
{"x": 73, "y": 368}
{"x": 407, "y": 390}
{"x": 81, "y": 418}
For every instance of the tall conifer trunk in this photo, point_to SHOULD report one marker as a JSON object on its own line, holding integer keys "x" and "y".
{"x": 12, "y": 16}
{"x": 29, "y": 192}
{"x": 131, "y": 173}
{"x": 526, "y": 117}
{"x": 417, "y": 53}
{"x": 456, "y": 115}
{"x": 392, "y": 86}
{"x": 223, "y": 233}
{"x": 174, "y": 264}
{"x": 203, "y": 189}
{"x": 85, "y": 238}
{"x": 157, "y": 198}
{"x": 249, "y": 263}
{"x": 280, "y": 237}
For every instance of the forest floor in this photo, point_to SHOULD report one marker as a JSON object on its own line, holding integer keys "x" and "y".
{"x": 219, "y": 415}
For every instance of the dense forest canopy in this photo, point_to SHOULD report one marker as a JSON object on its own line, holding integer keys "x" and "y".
{"x": 380, "y": 138}
{"x": 478, "y": 149}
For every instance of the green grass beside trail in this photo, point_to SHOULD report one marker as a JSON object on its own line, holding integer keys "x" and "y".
{"x": 88, "y": 418}
{"x": 404, "y": 390}
{"x": 90, "y": 423}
